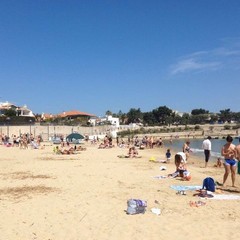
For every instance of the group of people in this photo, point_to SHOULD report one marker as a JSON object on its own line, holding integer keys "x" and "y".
{"x": 230, "y": 153}
{"x": 67, "y": 148}
{"x": 142, "y": 143}
{"x": 107, "y": 142}
{"x": 22, "y": 141}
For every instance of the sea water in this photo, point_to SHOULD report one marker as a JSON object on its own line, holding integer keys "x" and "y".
{"x": 196, "y": 146}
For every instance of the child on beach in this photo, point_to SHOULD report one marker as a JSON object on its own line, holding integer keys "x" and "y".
{"x": 219, "y": 163}
{"x": 186, "y": 149}
{"x": 168, "y": 155}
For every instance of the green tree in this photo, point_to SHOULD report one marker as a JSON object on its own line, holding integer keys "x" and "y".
{"x": 214, "y": 118}
{"x": 149, "y": 118}
{"x": 108, "y": 113}
{"x": 176, "y": 119}
{"x": 226, "y": 115}
{"x": 134, "y": 115}
{"x": 10, "y": 112}
{"x": 236, "y": 117}
{"x": 162, "y": 114}
{"x": 199, "y": 111}
{"x": 199, "y": 119}
{"x": 185, "y": 119}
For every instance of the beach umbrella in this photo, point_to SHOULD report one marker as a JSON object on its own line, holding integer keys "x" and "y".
{"x": 74, "y": 136}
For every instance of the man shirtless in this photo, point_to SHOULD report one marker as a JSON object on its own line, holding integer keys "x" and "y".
{"x": 229, "y": 152}
{"x": 238, "y": 151}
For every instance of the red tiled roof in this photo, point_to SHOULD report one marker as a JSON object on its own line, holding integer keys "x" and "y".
{"x": 75, "y": 113}
{"x": 47, "y": 115}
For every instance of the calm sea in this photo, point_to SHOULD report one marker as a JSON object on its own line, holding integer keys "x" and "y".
{"x": 196, "y": 146}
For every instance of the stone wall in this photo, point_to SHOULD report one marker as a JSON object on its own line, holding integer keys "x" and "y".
{"x": 49, "y": 131}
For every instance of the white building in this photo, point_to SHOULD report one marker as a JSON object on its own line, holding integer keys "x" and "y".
{"x": 113, "y": 120}
{"x": 98, "y": 121}
{"x": 20, "y": 111}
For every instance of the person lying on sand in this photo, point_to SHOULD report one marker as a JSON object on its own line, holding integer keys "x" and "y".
{"x": 63, "y": 150}
{"x": 79, "y": 148}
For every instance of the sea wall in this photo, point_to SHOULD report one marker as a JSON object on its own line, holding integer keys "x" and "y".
{"x": 50, "y": 131}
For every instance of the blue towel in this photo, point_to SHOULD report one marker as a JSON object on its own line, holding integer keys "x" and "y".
{"x": 185, "y": 188}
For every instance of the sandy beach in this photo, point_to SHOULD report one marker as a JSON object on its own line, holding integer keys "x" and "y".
{"x": 84, "y": 196}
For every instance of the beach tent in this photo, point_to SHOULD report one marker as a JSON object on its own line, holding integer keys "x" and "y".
{"x": 74, "y": 137}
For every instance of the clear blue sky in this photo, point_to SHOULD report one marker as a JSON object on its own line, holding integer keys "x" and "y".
{"x": 99, "y": 55}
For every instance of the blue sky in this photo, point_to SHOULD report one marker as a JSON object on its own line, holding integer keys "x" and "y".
{"x": 99, "y": 55}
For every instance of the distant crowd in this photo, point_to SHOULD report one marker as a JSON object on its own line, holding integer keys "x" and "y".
{"x": 23, "y": 141}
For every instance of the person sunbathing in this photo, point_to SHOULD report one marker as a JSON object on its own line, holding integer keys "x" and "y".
{"x": 79, "y": 148}
{"x": 102, "y": 146}
{"x": 63, "y": 150}
{"x": 56, "y": 150}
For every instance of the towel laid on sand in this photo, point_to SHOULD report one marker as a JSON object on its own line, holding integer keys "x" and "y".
{"x": 160, "y": 177}
{"x": 185, "y": 188}
{"x": 225, "y": 197}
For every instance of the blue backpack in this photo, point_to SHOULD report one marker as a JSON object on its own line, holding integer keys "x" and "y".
{"x": 209, "y": 184}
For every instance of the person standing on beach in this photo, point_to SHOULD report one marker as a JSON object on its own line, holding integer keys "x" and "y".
{"x": 238, "y": 156}
{"x": 207, "y": 146}
{"x": 238, "y": 151}
{"x": 230, "y": 153}
{"x": 186, "y": 148}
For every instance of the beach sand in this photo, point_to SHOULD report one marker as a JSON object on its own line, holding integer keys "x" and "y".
{"x": 84, "y": 196}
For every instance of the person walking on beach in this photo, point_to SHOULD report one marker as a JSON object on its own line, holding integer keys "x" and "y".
{"x": 207, "y": 146}
{"x": 229, "y": 152}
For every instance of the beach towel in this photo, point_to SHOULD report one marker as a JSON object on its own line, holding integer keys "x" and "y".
{"x": 160, "y": 177}
{"x": 34, "y": 145}
{"x": 185, "y": 188}
{"x": 225, "y": 197}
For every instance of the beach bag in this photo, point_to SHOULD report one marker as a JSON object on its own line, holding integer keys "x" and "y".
{"x": 209, "y": 184}
{"x": 136, "y": 206}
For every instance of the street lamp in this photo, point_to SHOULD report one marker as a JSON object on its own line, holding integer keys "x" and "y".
{"x": 48, "y": 130}
{"x": 8, "y": 121}
{"x": 30, "y": 124}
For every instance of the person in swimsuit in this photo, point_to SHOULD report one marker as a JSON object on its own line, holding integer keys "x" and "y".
{"x": 229, "y": 153}
{"x": 186, "y": 148}
{"x": 238, "y": 151}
